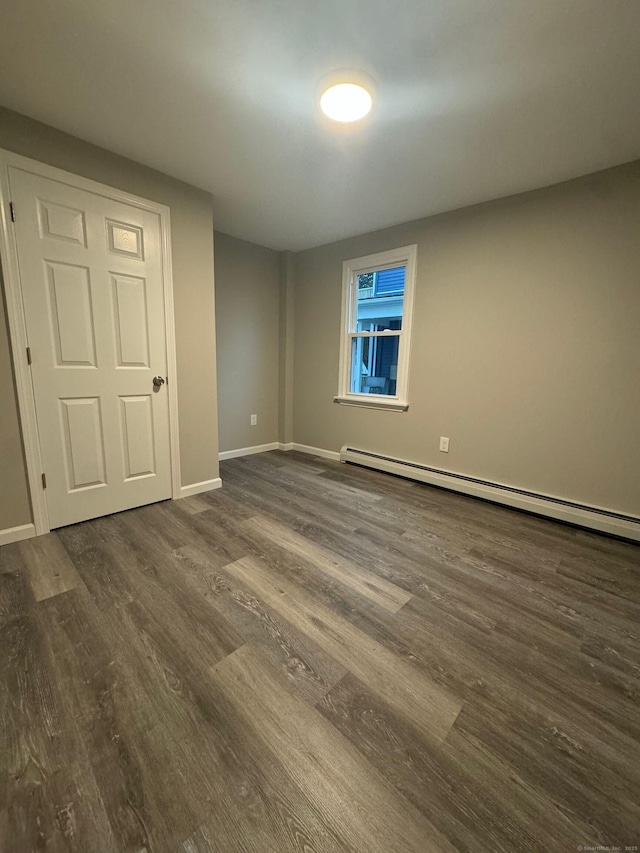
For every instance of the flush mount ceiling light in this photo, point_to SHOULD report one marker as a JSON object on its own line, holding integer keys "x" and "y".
{"x": 346, "y": 102}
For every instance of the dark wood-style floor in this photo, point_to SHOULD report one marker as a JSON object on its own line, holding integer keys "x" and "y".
{"x": 319, "y": 658}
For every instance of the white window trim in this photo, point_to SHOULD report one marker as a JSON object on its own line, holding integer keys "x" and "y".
{"x": 350, "y": 271}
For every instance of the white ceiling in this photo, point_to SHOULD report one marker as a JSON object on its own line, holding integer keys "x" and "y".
{"x": 475, "y": 99}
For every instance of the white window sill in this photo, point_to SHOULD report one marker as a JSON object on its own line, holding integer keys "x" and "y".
{"x": 372, "y": 402}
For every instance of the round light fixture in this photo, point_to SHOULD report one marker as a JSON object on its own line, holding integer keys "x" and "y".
{"x": 346, "y": 102}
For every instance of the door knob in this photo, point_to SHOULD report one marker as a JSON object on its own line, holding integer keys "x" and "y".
{"x": 158, "y": 381}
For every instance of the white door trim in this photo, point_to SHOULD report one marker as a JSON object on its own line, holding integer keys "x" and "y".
{"x": 18, "y": 327}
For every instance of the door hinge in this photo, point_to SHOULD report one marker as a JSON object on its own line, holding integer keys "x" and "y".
{"x": 13, "y": 211}
{"x": 44, "y": 481}
{"x": 28, "y": 355}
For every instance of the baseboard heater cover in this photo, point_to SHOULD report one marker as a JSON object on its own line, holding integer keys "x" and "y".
{"x": 595, "y": 518}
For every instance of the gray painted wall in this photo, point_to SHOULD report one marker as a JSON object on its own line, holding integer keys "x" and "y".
{"x": 15, "y": 508}
{"x": 248, "y": 333}
{"x": 526, "y": 342}
{"x": 192, "y": 248}
{"x": 287, "y": 347}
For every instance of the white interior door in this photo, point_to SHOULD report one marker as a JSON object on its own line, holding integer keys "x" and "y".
{"x": 92, "y": 285}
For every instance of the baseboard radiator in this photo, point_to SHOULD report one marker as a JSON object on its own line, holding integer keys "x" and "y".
{"x": 594, "y": 518}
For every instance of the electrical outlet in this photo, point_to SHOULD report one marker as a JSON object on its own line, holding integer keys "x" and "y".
{"x": 444, "y": 444}
{"x": 254, "y": 420}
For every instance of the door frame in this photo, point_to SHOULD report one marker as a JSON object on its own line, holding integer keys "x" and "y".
{"x": 18, "y": 326}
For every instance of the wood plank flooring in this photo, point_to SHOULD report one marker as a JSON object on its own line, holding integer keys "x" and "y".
{"x": 319, "y": 658}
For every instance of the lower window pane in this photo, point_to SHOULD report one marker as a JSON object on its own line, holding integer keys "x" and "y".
{"x": 374, "y": 365}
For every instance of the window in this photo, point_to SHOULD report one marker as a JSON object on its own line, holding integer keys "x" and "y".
{"x": 377, "y": 303}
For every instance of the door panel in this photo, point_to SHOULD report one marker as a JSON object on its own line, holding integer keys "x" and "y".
{"x": 137, "y": 436}
{"x": 71, "y": 313}
{"x": 131, "y": 321}
{"x": 125, "y": 239}
{"x": 83, "y": 442}
{"x": 63, "y": 223}
{"x": 91, "y": 275}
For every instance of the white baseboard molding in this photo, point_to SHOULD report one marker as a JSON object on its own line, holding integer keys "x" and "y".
{"x": 592, "y": 517}
{"x": 279, "y": 445}
{"x": 198, "y": 488}
{"x": 257, "y": 448}
{"x": 17, "y": 534}
{"x": 249, "y": 451}
{"x": 316, "y": 451}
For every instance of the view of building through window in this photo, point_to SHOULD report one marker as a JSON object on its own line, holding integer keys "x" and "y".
{"x": 374, "y": 357}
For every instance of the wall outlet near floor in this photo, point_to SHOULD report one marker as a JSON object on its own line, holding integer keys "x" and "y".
{"x": 444, "y": 444}
{"x": 254, "y": 420}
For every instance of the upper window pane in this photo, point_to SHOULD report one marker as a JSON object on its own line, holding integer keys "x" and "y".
{"x": 382, "y": 282}
{"x": 380, "y": 297}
